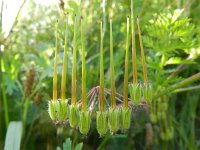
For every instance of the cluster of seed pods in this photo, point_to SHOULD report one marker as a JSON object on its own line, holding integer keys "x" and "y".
{"x": 78, "y": 112}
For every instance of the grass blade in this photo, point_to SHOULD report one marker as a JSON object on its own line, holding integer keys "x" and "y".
{"x": 13, "y": 136}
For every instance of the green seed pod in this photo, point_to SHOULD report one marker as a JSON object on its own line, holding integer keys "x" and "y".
{"x": 73, "y": 115}
{"x": 84, "y": 124}
{"x": 136, "y": 93}
{"x": 52, "y": 110}
{"x": 102, "y": 125}
{"x": 125, "y": 118}
{"x": 153, "y": 118}
{"x": 147, "y": 92}
{"x": 62, "y": 110}
{"x": 113, "y": 119}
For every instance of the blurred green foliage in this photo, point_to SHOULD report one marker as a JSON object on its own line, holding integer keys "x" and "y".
{"x": 171, "y": 36}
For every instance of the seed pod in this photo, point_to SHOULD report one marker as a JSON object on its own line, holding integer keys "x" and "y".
{"x": 153, "y": 118}
{"x": 52, "y": 110}
{"x": 113, "y": 119}
{"x": 102, "y": 125}
{"x": 62, "y": 110}
{"x": 147, "y": 92}
{"x": 125, "y": 118}
{"x": 73, "y": 115}
{"x": 84, "y": 124}
{"x": 136, "y": 93}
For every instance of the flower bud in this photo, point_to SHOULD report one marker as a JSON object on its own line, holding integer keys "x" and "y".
{"x": 84, "y": 124}
{"x": 147, "y": 92}
{"x": 113, "y": 119}
{"x": 102, "y": 125}
{"x": 62, "y": 110}
{"x": 73, "y": 115}
{"x": 125, "y": 118}
{"x": 52, "y": 110}
{"x": 136, "y": 93}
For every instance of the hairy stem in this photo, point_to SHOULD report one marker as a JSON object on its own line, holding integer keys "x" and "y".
{"x": 64, "y": 71}
{"x": 125, "y": 97}
{"x": 84, "y": 107}
{"x": 113, "y": 101}
{"x": 73, "y": 101}
{"x": 102, "y": 107}
{"x": 55, "y": 66}
{"x": 142, "y": 54}
{"x": 134, "y": 62}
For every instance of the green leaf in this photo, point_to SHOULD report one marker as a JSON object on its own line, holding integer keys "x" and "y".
{"x": 79, "y": 146}
{"x": 13, "y": 136}
{"x": 67, "y": 145}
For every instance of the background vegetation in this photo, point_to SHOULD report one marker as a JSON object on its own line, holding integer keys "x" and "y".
{"x": 171, "y": 39}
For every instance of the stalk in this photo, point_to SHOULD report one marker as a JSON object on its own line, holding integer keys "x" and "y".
{"x": 125, "y": 97}
{"x": 55, "y": 67}
{"x": 83, "y": 68}
{"x": 142, "y": 54}
{"x": 64, "y": 71}
{"x": 102, "y": 107}
{"x": 113, "y": 100}
{"x": 134, "y": 65}
{"x": 73, "y": 102}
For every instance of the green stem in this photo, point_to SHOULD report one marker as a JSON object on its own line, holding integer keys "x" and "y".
{"x": 187, "y": 89}
{"x": 84, "y": 107}
{"x": 142, "y": 54}
{"x": 55, "y": 66}
{"x": 113, "y": 100}
{"x": 74, "y": 65}
{"x": 183, "y": 83}
{"x": 102, "y": 107}
{"x": 5, "y": 102}
{"x": 64, "y": 67}
{"x": 134, "y": 62}
{"x": 125, "y": 97}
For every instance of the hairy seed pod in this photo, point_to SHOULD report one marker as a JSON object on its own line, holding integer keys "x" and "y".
{"x": 113, "y": 119}
{"x": 147, "y": 92}
{"x": 136, "y": 93}
{"x": 153, "y": 118}
{"x": 62, "y": 110}
{"x": 102, "y": 126}
{"x": 73, "y": 115}
{"x": 85, "y": 120}
{"x": 125, "y": 118}
{"x": 52, "y": 110}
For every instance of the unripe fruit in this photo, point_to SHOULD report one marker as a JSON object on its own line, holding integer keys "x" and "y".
{"x": 147, "y": 92}
{"x": 125, "y": 118}
{"x": 113, "y": 119}
{"x": 52, "y": 110}
{"x": 102, "y": 125}
{"x": 85, "y": 120}
{"x": 136, "y": 93}
{"x": 73, "y": 115}
{"x": 62, "y": 110}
